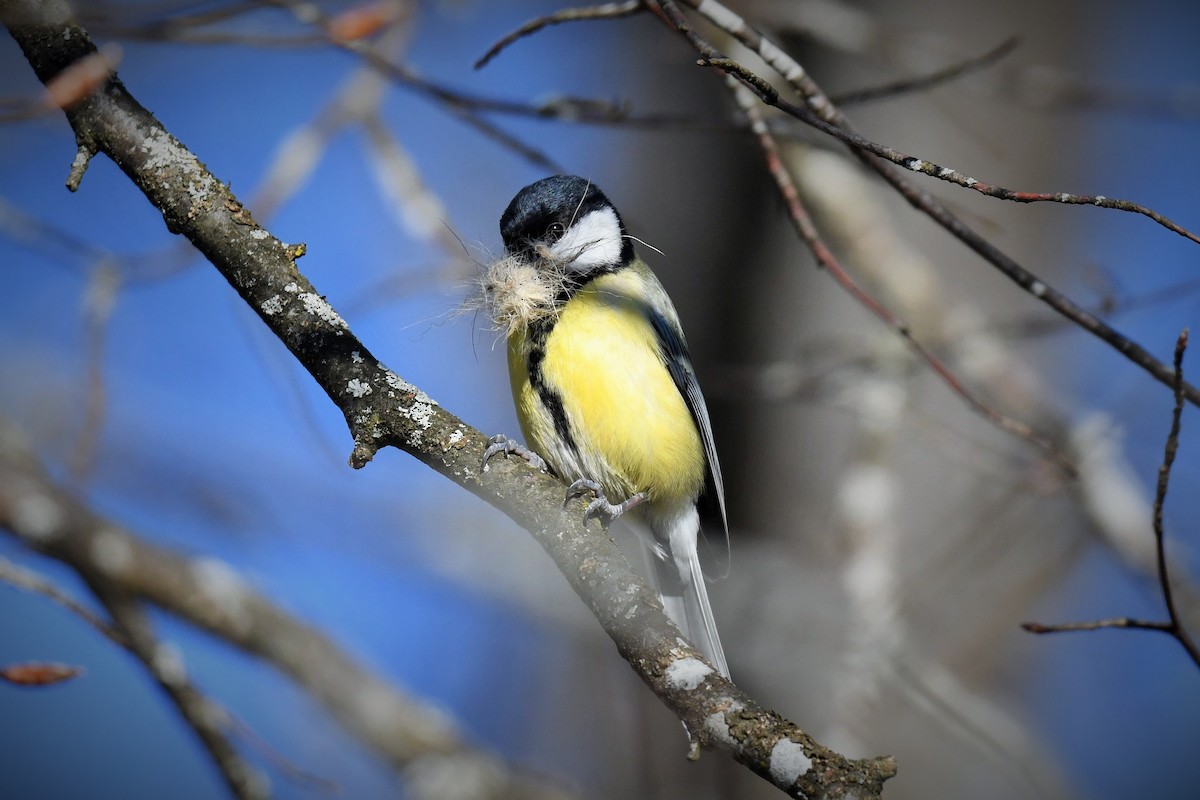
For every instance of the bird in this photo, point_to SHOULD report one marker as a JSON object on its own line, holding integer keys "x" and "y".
{"x": 604, "y": 387}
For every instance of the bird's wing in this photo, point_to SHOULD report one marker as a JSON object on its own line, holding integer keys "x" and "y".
{"x": 679, "y": 363}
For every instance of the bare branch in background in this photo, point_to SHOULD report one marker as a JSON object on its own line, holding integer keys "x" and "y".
{"x": 859, "y": 33}
{"x": 1174, "y": 625}
{"x": 923, "y": 83}
{"x": 415, "y": 738}
{"x": 129, "y": 629}
{"x": 30, "y": 581}
{"x": 165, "y": 665}
{"x": 606, "y": 11}
{"x": 823, "y": 115}
{"x": 807, "y": 231}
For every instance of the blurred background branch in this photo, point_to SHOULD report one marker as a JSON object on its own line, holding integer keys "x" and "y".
{"x": 418, "y": 740}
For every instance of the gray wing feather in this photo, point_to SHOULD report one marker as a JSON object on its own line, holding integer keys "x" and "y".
{"x": 679, "y": 363}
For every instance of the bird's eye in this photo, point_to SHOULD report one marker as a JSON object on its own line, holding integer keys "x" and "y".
{"x": 556, "y": 230}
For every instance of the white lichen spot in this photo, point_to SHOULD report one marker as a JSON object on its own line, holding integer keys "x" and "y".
{"x": 292, "y": 288}
{"x": 111, "y": 552}
{"x": 1062, "y": 197}
{"x": 358, "y": 388}
{"x": 416, "y": 405}
{"x": 356, "y": 357}
{"x": 161, "y": 150}
{"x": 37, "y": 517}
{"x": 198, "y": 191}
{"x": 405, "y": 388}
{"x": 167, "y": 664}
{"x": 970, "y": 181}
{"x": 945, "y": 172}
{"x": 455, "y": 438}
{"x": 917, "y": 165}
{"x": 788, "y": 762}
{"x": 687, "y": 673}
{"x": 80, "y": 162}
{"x": 1037, "y": 289}
{"x": 164, "y": 152}
{"x": 223, "y": 588}
{"x": 318, "y": 307}
{"x": 716, "y": 725}
{"x": 421, "y": 415}
{"x": 260, "y": 234}
{"x": 717, "y": 728}
{"x": 272, "y": 305}
{"x": 1100, "y": 200}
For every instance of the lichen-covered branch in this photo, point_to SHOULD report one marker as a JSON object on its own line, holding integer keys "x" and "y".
{"x": 382, "y": 409}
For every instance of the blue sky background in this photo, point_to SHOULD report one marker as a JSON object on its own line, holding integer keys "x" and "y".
{"x": 216, "y": 443}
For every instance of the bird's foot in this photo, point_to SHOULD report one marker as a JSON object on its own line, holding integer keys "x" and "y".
{"x": 502, "y": 444}
{"x": 600, "y": 508}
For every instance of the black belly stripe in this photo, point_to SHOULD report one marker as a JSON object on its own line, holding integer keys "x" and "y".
{"x": 539, "y": 332}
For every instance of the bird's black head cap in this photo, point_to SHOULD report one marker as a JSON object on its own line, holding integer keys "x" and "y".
{"x": 542, "y": 212}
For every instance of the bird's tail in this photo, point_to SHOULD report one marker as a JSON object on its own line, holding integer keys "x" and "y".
{"x": 680, "y": 583}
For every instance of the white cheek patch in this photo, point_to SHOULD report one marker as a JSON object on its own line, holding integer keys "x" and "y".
{"x": 594, "y": 240}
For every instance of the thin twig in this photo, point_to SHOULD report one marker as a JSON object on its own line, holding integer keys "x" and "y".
{"x": 114, "y": 20}
{"x": 1098, "y": 624}
{"x": 100, "y": 297}
{"x": 933, "y": 79}
{"x": 205, "y": 717}
{"x": 1160, "y": 496}
{"x": 606, "y": 11}
{"x": 1174, "y": 625}
{"x": 31, "y": 581}
{"x": 293, "y": 772}
{"x": 466, "y": 109}
{"x": 818, "y": 116}
{"x": 807, "y": 231}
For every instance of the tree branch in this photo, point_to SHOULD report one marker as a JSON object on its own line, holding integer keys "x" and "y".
{"x": 807, "y": 231}
{"x": 625, "y": 8}
{"x": 1174, "y": 625}
{"x": 210, "y": 595}
{"x": 819, "y": 112}
{"x": 381, "y": 409}
{"x": 207, "y": 719}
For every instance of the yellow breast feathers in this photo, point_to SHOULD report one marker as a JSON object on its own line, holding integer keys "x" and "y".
{"x": 596, "y": 400}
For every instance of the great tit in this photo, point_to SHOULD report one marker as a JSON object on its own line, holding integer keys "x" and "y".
{"x": 603, "y": 384}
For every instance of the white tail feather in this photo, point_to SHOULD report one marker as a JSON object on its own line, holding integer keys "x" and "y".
{"x": 680, "y": 584}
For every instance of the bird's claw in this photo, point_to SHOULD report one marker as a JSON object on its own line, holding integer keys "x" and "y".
{"x": 600, "y": 508}
{"x": 502, "y": 444}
